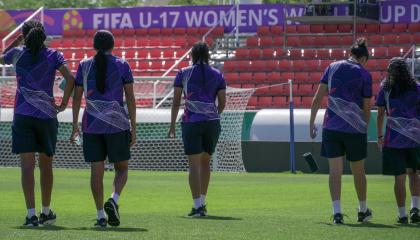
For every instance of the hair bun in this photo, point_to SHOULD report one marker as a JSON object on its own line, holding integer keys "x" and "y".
{"x": 361, "y": 42}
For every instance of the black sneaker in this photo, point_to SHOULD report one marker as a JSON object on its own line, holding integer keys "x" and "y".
{"x": 100, "y": 222}
{"x": 204, "y": 209}
{"x": 31, "y": 222}
{"x": 47, "y": 219}
{"x": 111, "y": 209}
{"x": 197, "y": 212}
{"x": 415, "y": 215}
{"x": 364, "y": 216}
{"x": 402, "y": 220}
{"x": 338, "y": 218}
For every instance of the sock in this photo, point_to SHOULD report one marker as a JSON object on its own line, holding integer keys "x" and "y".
{"x": 203, "y": 199}
{"x": 100, "y": 214}
{"x": 197, "y": 203}
{"x": 362, "y": 206}
{"x": 115, "y": 196}
{"x": 402, "y": 212}
{"x": 414, "y": 202}
{"x": 31, "y": 212}
{"x": 336, "y": 207}
{"x": 45, "y": 210}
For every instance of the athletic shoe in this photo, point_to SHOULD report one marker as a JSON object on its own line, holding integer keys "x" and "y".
{"x": 31, "y": 222}
{"x": 204, "y": 208}
{"x": 364, "y": 216}
{"x": 338, "y": 218}
{"x": 47, "y": 219}
{"x": 402, "y": 220}
{"x": 111, "y": 209}
{"x": 197, "y": 212}
{"x": 100, "y": 222}
{"x": 415, "y": 215}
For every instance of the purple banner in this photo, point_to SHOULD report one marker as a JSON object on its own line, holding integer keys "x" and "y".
{"x": 249, "y": 16}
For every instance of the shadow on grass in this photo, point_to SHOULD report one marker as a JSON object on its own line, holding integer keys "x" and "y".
{"x": 210, "y": 217}
{"x": 361, "y": 225}
{"x": 43, "y": 228}
{"x": 111, "y": 229}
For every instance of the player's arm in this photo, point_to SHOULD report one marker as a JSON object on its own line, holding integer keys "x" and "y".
{"x": 131, "y": 105}
{"x": 174, "y": 110}
{"x": 70, "y": 80}
{"x": 221, "y": 100}
{"x": 77, "y": 101}
{"x": 316, "y": 104}
{"x": 380, "y": 125}
{"x": 366, "y": 109}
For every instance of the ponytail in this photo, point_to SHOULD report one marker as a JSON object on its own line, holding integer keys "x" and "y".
{"x": 35, "y": 36}
{"x": 201, "y": 55}
{"x": 100, "y": 70}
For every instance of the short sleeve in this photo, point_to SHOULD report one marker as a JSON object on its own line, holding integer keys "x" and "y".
{"x": 367, "y": 86}
{"x": 127, "y": 74}
{"x": 324, "y": 78}
{"x": 79, "y": 76}
{"x": 10, "y": 55}
{"x": 222, "y": 83}
{"x": 380, "y": 99}
{"x": 178, "y": 80}
{"x": 59, "y": 60}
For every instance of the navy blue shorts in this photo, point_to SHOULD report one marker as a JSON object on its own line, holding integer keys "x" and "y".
{"x": 115, "y": 146}
{"x": 396, "y": 161}
{"x": 339, "y": 144}
{"x": 30, "y": 134}
{"x": 199, "y": 137}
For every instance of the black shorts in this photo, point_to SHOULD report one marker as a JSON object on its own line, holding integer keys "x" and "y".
{"x": 199, "y": 137}
{"x": 30, "y": 134}
{"x": 338, "y": 144}
{"x": 396, "y": 161}
{"x": 115, "y": 146}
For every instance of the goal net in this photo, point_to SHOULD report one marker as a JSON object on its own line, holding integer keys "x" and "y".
{"x": 153, "y": 151}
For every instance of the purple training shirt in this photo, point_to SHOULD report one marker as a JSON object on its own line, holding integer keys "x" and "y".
{"x": 118, "y": 74}
{"x": 348, "y": 84}
{"x": 406, "y": 106}
{"x": 35, "y": 81}
{"x": 200, "y": 92}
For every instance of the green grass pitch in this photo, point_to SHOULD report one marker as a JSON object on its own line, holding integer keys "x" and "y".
{"x": 241, "y": 206}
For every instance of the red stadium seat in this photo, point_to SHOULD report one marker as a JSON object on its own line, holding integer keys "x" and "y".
{"x": 386, "y": 28}
{"x": 400, "y": 27}
{"x": 323, "y": 41}
{"x": 413, "y": 27}
{"x": 273, "y": 77}
{"x": 347, "y": 40}
{"x": 268, "y": 53}
{"x": 272, "y": 65}
{"x": 405, "y": 38}
{"x": 390, "y": 39}
{"x": 307, "y": 41}
{"x": 129, "y": 42}
{"x": 345, "y": 28}
{"x": 379, "y": 52}
{"x": 296, "y": 53}
{"x": 317, "y": 28}
{"x": 218, "y": 32}
{"x": 395, "y": 51}
{"x": 371, "y": 65}
{"x": 142, "y": 41}
{"x": 333, "y": 40}
{"x": 291, "y": 29}
{"x": 130, "y": 54}
{"x": 323, "y": 54}
{"x": 382, "y": 64}
{"x": 278, "y": 41}
{"x": 265, "y": 101}
{"x": 303, "y": 29}
{"x": 307, "y": 101}
{"x": 255, "y": 53}
{"x": 242, "y": 53}
{"x": 330, "y": 28}
{"x": 416, "y": 37}
{"x": 154, "y": 41}
{"x": 280, "y": 52}
{"x": 301, "y": 77}
{"x": 118, "y": 32}
{"x": 67, "y": 43}
{"x": 166, "y": 42}
{"x": 280, "y": 102}
{"x": 55, "y": 43}
{"x": 192, "y": 31}
{"x": 231, "y": 77}
{"x": 154, "y": 31}
{"x": 179, "y": 31}
{"x": 315, "y": 77}
{"x": 90, "y": 33}
{"x": 180, "y": 42}
{"x": 312, "y": 65}
{"x": 266, "y": 41}
{"x": 323, "y": 64}
{"x": 375, "y": 39}
{"x": 229, "y": 66}
{"x": 245, "y": 77}
{"x": 309, "y": 53}
{"x": 292, "y": 41}
{"x": 252, "y": 102}
{"x": 260, "y": 77}
{"x": 276, "y": 30}
{"x": 259, "y": 65}
{"x": 376, "y": 76}
{"x": 284, "y": 65}
{"x": 118, "y": 42}
{"x": 263, "y": 30}
{"x": 372, "y": 28}
{"x": 285, "y": 76}
{"x": 79, "y": 43}
{"x": 300, "y": 65}
{"x": 252, "y": 41}
{"x": 142, "y": 54}
{"x": 155, "y": 53}
{"x": 360, "y": 28}
{"x": 167, "y": 31}
{"x": 203, "y": 30}
{"x": 305, "y": 89}
{"x": 243, "y": 65}
{"x": 337, "y": 54}
{"x": 129, "y": 32}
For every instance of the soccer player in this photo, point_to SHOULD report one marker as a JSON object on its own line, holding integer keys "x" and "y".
{"x": 35, "y": 124}
{"x": 399, "y": 98}
{"x": 201, "y": 85}
{"x": 103, "y": 79}
{"x": 349, "y": 88}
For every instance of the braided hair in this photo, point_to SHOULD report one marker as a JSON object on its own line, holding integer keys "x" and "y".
{"x": 103, "y": 41}
{"x": 399, "y": 79}
{"x": 34, "y": 34}
{"x": 201, "y": 55}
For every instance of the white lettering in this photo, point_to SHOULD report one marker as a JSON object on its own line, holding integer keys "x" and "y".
{"x": 253, "y": 17}
{"x": 97, "y": 20}
{"x": 194, "y": 20}
{"x": 227, "y": 18}
{"x": 272, "y": 15}
{"x": 208, "y": 16}
{"x": 388, "y": 12}
{"x": 126, "y": 21}
{"x": 399, "y": 12}
{"x": 415, "y": 13}
{"x": 143, "y": 23}
{"x": 115, "y": 20}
